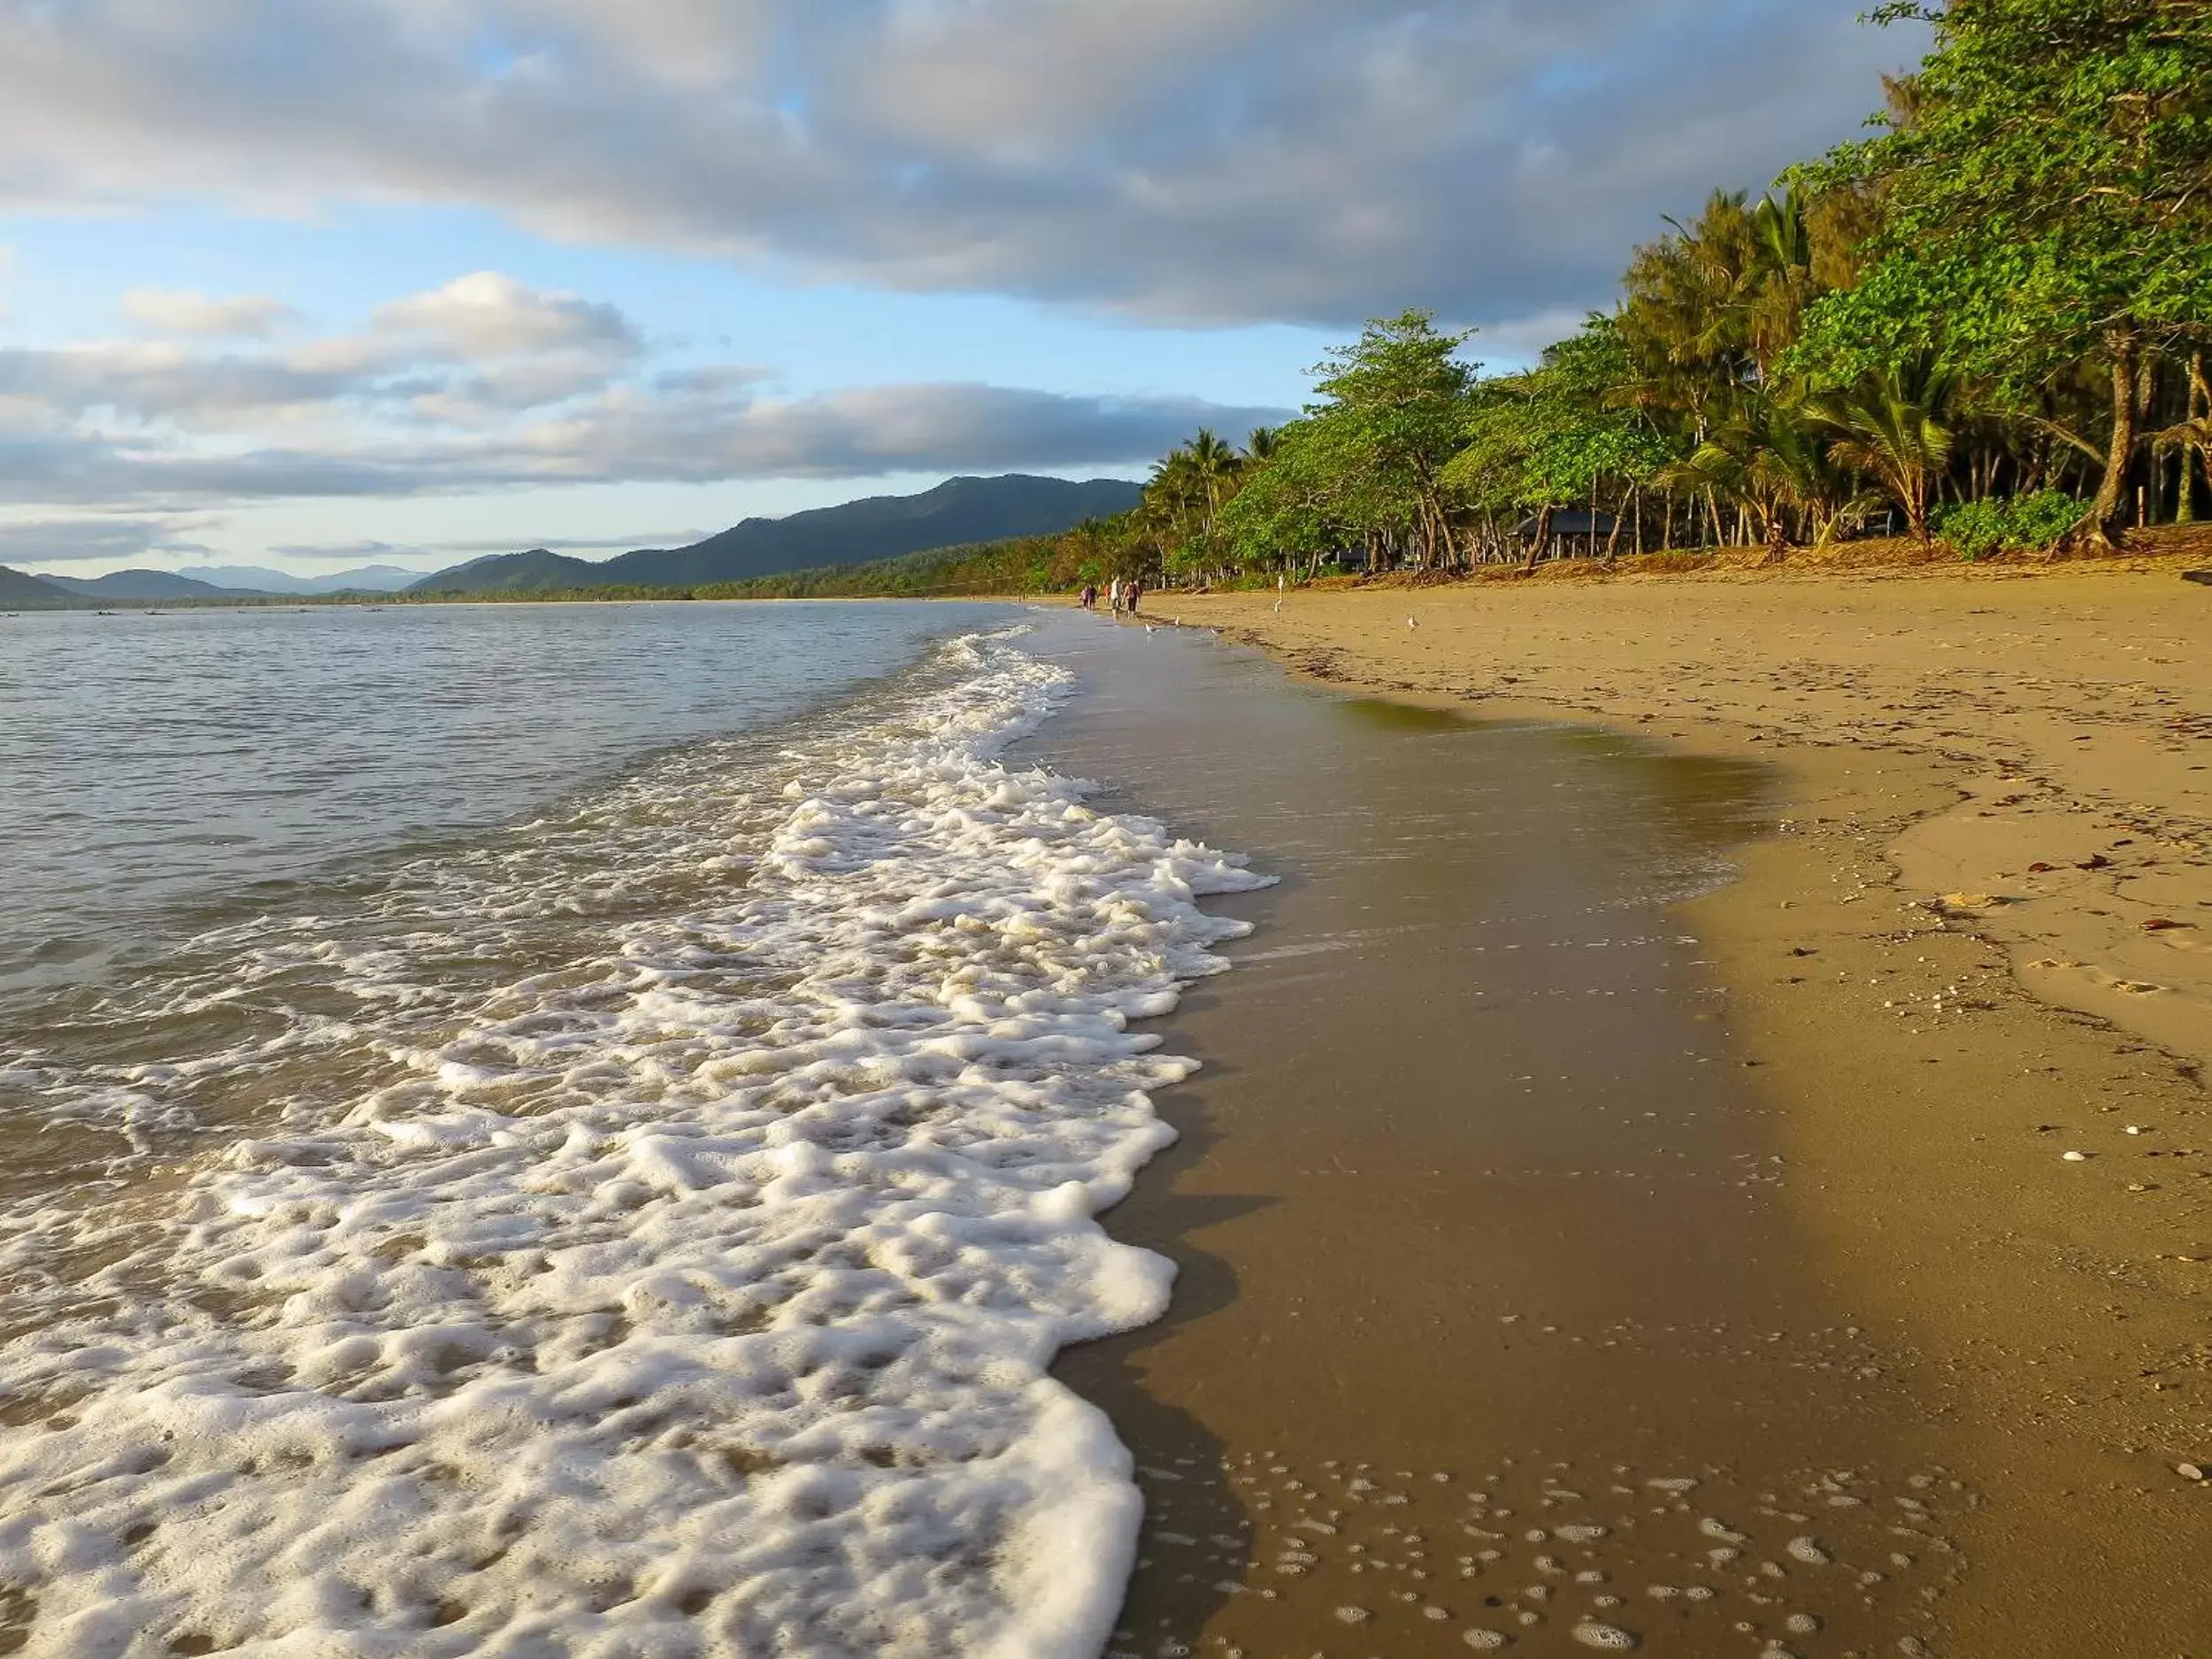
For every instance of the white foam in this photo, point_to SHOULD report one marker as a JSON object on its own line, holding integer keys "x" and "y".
{"x": 693, "y": 1297}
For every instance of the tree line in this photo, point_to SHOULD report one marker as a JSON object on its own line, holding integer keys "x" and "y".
{"x": 1986, "y": 323}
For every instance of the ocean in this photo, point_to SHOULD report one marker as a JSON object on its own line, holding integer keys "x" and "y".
{"x": 565, "y": 1129}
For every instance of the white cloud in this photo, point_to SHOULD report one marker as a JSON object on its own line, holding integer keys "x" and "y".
{"x": 1226, "y": 159}
{"x": 486, "y": 384}
{"x": 170, "y": 311}
{"x": 488, "y": 315}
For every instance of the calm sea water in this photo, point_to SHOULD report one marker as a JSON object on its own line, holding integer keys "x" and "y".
{"x": 154, "y": 766}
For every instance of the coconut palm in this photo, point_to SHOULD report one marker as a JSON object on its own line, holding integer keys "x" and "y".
{"x": 1895, "y": 427}
{"x": 1780, "y": 284}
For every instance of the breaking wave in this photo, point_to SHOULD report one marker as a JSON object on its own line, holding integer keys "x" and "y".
{"x": 687, "y": 1291}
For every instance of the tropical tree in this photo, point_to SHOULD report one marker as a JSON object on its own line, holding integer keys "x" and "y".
{"x": 1294, "y": 507}
{"x": 2044, "y": 183}
{"x": 1563, "y": 433}
{"x": 1894, "y": 426}
{"x": 1394, "y": 403}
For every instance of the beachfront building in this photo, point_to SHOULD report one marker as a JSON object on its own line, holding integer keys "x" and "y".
{"x": 1578, "y": 533}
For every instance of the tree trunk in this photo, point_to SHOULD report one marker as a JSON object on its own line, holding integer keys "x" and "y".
{"x": 1913, "y": 492}
{"x": 1543, "y": 534}
{"x": 2109, "y": 515}
{"x": 2194, "y": 407}
{"x": 1613, "y": 541}
{"x": 1451, "y": 542}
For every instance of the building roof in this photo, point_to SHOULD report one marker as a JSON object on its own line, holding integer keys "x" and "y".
{"x": 1574, "y": 522}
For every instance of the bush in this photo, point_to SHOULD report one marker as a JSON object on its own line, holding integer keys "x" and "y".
{"x": 2033, "y": 523}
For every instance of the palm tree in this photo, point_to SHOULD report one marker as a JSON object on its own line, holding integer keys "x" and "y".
{"x": 1215, "y": 465}
{"x": 1780, "y": 284}
{"x": 1894, "y": 426}
{"x": 1260, "y": 445}
{"x": 1216, "y": 462}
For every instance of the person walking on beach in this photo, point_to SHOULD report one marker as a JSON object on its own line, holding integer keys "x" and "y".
{"x": 1133, "y": 593}
{"x": 1089, "y": 599}
{"x": 1113, "y": 595}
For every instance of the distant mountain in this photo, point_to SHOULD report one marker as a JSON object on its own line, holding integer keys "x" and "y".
{"x": 146, "y": 584}
{"x": 536, "y": 572}
{"x": 27, "y": 592}
{"x": 958, "y": 513}
{"x": 366, "y": 578}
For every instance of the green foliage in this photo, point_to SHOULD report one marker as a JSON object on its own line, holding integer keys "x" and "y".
{"x": 2031, "y": 523}
{"x": 2047, "y": 188}
{"x": 1292, "y": 505}
{"x": 1894, "y": 426}
{"x": 1393, "y": 408}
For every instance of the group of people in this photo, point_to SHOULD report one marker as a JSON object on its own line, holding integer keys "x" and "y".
{"x": 1123, "y": 596}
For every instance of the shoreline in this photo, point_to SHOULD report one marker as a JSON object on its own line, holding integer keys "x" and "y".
{"x": 2055, "y": 1308}
{"x": 1477, "y": 1218}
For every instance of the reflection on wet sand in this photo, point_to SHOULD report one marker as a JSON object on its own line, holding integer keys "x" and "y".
{"x": 1492, "y": 1325}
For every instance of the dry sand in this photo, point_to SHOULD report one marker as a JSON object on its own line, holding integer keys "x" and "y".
{"x": 1937, "y": 1020}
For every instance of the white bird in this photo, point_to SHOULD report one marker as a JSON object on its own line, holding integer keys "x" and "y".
{"x": 1411, "y": 623}
{"x": 1148, "y": 628}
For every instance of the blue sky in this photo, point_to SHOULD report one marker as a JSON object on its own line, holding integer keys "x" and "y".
{"x": 293, "y": 282}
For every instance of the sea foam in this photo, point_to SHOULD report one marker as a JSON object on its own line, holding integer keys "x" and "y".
{"x": 694, "y": 1295}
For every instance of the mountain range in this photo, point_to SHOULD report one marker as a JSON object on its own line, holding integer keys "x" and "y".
{"x": 363, "y": 578}
{"x": 958, "y": 513}
{"x": 27, "y": 592}
{"x": 230, "y": 581}
{"x": 124, "y": 585}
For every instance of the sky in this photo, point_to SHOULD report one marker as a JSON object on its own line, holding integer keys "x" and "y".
{"x": 313, "y": 283}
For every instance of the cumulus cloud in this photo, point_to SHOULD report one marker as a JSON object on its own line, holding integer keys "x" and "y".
{"x": 171, "y": 312}
{"x": 487, "y": 384}
{"x": 1312, "y": 160}
{"x": 489, "y": 315}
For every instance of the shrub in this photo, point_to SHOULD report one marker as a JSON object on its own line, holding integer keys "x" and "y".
{"x": 2034, "y": 523}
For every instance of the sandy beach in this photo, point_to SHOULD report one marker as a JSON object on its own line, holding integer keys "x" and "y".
{"x": 1954, "y": 801}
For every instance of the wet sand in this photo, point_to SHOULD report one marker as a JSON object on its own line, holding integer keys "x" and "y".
{"x": 1493, "y": 1323}
{"x": 2068, "y": 708}
{"x": 2042, "y": 1320}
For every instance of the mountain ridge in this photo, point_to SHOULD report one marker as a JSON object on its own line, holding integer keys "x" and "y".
{"x": 145, "y": 584}
{"x": 366, "y": 578}
{"x": 21, "y": 587}
{"x": 959, "y": 512}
